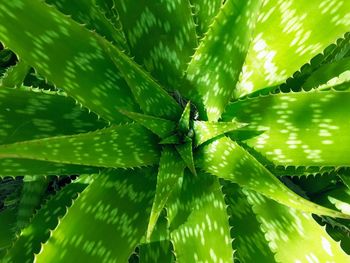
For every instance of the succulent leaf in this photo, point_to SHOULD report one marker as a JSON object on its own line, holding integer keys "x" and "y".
{"x": 301, "y": 129}
{"x": 15, "y": 75}
{"x": 216, "y": 65}
{"x": 83, "y": 68}
{"x": 123, "y": 146}
{"x": 106, "y": 222}
{"x": 226, "y": 159}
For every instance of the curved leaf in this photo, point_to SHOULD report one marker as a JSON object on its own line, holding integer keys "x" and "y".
{"x": 271, "y": 58}
{"x": 226, "y": 159}
{"x": 215, "y": 67}
{"x": 15, "y": 75}
{"x": 118, "y": 147}
{"x": 82, "y": 67}
{"x": 106, "y": 222}
{"x": 306, "y": 129}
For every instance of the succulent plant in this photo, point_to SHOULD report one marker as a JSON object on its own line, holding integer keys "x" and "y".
{"x": 174, "y": 131}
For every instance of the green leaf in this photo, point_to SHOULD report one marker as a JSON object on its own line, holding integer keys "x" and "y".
{"x": 184, "y": 122}
{"x": 171, "y": 168}
{"x": 161, "y": 35}
{"x": 326, "y": 73}
{"x": 27, "y": 114}
{"x": 16, "y": 167}
{"x": 15, "y": 75}
{"x": 215, "y": 67}
{"x": 292, "y": 235}
{"x": 117, "y": 146}
{"x": 81, "y": 67}
{"x": 205, "y": 130}
{"x": 186, "y": 153}
{"x": 33, "y": 190}
{"x": 158, "y": 126}
{"x": 88, "y": 13}
{"x": 226, "y": 159}
{"x": 7, "y": 229}
{"x": 106, "y": 222}
{"x": 249, "y": 240}
{"x": 46, "y": 219}
{"x": 276, "y": 53}
{"x": 151, "y": 97}
{"x": 199, "y": 222}
{"x": 204, "y": 13}
{"x": 300, "y": 128}
{"x": 330, "y": 55}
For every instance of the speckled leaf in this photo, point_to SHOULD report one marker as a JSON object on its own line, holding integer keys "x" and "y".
{"x": 16, "y": 167}
{"x": 171, "y": 168}
{"x": 7, "y": 229}
{"x": 46, "y": 219}
{"x": 81, "y": 67}
{"x": 158, "y": 126}
{"x": 161, "y": 35}
{"x": 109, "y": 9}
{"x": 88, "y": 13}
{"x": 15, "y": 75}
{"x": 27, "y": 114}
{"x": 33, "y": 190}
{"x": 118, "y": 146}
{"x": 204, "y": 13}
{"x": 249, "y": 241}
{"x": 151, "y": 97}
{"x": 205, "y": 130}
{"x": 199, "y": 221}
{"x": 184, "y": 122}
{"x": 272, "y": 58}
{"x": 300, "y": 128}
{"x": 186, "y": 153}
{"x": 226, "y": 159}
{"x": 331, "y": 54}
{"x": 294, "y": 236}
{"x": 326, "y": 73}
{"x": 215, "y": 67}
{"x": 106, "y": 222}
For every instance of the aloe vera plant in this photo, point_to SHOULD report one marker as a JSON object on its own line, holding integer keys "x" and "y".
{"x": 174, "y": 131}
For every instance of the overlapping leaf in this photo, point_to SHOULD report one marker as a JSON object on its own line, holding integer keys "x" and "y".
{"x": 199, "y": 222}
{"x": 161, "y": 36}
{"x": 226, "y": 159}
{"x": 123, "y": 146}
{"x": 299, "y": 128}
{"x": 215, "y": 67}
{"x": 106, "y": 222}
{"x": 81, "y": 67}
{"x": 272, "y": 58}
{"x": 15, "y": 75}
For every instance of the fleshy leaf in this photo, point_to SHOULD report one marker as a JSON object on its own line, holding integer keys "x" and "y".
{"x": 171, "y": 168}
{"x": 215, "y": 67}
{"x": 27, "y": 114}
{"x": 184, "y": 122}
{"x": 301, "y": 129}
{"x": 204, "y": 13}
{"x": 46, "y": 219}
{"x": 82, "y": 67}
{"x": 15, "y": 75}
{"x": 271, "y": 58}
{"x": 294, "y": 236}
{"x": 161, "y": 36}
{"x": 249, "y": 241}
{"x": 226, "y": 159}
{"x": 199, "y": 222}
{"x": 16, "y": 167}
{"x": 158, "y": 126}
{"x": 205, "y": 130}
{"x": 186, "y": 153}
{"x": 118, "y": 147}
{"x": 151, "y": 97}
{"x": 106, "y": 222}
{"x": 89, "y": 14}
{"x": 32, "y": 192}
